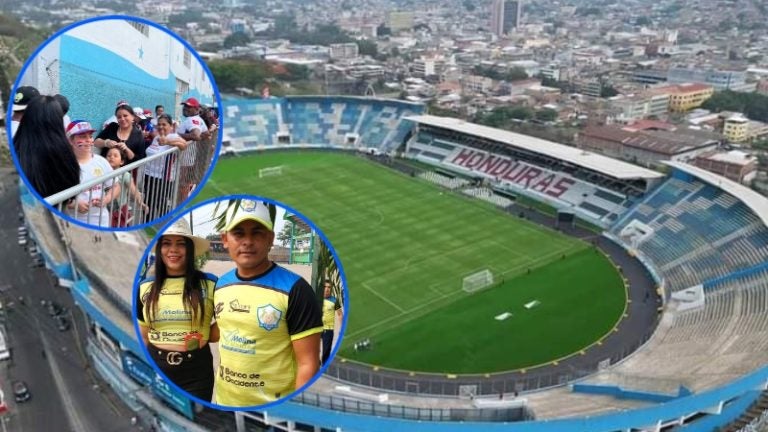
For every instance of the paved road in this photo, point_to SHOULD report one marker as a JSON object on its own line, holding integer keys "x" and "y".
{"x": 67, "y": 395}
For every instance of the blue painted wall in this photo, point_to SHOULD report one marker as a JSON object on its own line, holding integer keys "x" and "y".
{"x": 94, "y": 79}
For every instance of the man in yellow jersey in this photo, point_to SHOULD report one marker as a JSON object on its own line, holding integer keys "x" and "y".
{"x": 331, "y": 311}
{"x": 268, "y": 317}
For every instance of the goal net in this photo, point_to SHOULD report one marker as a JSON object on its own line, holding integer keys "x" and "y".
{"x": 477, "y": 281}
{"x": 270, "y": 171}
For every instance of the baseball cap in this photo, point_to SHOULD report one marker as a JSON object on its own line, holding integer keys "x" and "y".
{"x": 181, "y": 228}
{"x": 78, "y": 127}
{"x": 121, "y": 102}
{"x": 23, "y": 95}
{"x": 248, "y": 210}
{"x": 147, "y": 113}
{"x": 139, "y": 112}
{"x": 191, "y": 102}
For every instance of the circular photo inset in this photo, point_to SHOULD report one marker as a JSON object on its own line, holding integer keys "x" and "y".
{"x": 240, "y": 303}
{"x": 114, "y": 122}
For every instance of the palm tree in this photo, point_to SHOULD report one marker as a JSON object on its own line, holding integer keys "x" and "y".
{"x": 326, "y": 268}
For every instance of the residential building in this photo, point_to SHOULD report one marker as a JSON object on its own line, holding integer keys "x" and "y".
{"x": 428, "y": 66}
{"x": 736, "y": 165}
{"x": 555, "y": 72}
{"x": 641, "y": 106}
{"x": 400, "y": 20}
{"x": 739, "y": 129}
{"x": 344, "y": 51}
{"x": 685, "y": 97}
{"x": 476, "y": 84}
{"x": 718, "y": 79}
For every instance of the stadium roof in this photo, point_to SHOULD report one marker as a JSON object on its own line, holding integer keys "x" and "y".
{"x": 753, "y": 200}
{"x": 602, "y": 164}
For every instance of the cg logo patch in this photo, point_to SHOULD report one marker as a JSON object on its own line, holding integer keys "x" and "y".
{"x": 269, "y": 317}
{"x": 18, "y": 97}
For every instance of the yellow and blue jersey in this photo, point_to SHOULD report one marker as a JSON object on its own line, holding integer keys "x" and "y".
{"x": 258, "y": 320}
{"x": 172, "y": 323}
{"x": 330, "y": 306}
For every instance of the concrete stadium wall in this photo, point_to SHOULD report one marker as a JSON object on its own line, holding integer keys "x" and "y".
{"x": 96, "y": 64}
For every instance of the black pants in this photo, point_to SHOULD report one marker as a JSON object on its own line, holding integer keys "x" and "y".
{"x": 191, "y": 370}
{"x": 327, "y": 337}
{"x": 157, "y": 193}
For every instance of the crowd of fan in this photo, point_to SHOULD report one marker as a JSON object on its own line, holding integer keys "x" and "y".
{"x": 56, "y": 153}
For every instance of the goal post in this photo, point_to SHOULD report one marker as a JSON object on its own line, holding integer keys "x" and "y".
{"x": 477, "y": 281}
{"x": 270, "y": 171}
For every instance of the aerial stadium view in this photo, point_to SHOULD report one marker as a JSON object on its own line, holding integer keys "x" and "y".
{"x": 557, "y": 222}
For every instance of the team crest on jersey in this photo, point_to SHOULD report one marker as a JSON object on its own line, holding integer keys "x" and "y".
{"x": 269, "y": 317}
{"x": 217, "y": 310}
{"x": 98, "y": 171}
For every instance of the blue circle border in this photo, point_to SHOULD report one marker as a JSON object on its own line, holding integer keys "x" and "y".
{"x": 217, "y": 97}
{"x": 344, "y": 294}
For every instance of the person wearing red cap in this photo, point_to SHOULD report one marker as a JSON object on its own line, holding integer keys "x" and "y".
{"x": 193, "y": 129}
{"x": 91, "y": 205}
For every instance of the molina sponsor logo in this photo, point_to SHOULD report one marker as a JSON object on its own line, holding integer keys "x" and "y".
{"x": 234, "y": 341}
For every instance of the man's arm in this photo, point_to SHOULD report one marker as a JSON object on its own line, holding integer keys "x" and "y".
{"x": 193, "y": 135}
{"x": 307, "y": 351}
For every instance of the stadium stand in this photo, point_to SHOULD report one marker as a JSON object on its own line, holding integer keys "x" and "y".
{"x": 343, "y": 122}
{"x": 694, "y": 232}
{"x": 596, "y": 188}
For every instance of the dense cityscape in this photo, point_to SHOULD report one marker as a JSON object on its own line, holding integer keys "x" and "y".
{"x": 636, "y": 92}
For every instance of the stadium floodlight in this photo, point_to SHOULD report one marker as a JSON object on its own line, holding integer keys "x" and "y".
{"x": 477, "y": 281}
{"x": 270, "y": 171}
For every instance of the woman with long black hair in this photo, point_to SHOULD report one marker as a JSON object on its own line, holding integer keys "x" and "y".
{"x": 44, "y": 152}
{"x": 175, "y": 311}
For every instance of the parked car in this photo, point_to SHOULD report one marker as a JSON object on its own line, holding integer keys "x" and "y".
{"x": 61, "y": 323}
{"x": 54, "y": 308}
{"x": 21, "y": 391}
{"x": 22, "y": 241}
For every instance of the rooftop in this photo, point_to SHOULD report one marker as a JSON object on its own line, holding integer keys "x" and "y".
{"x": 603, "y": 164}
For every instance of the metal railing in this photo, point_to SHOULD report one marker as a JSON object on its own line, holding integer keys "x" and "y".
{"x": 138, "y": 193}
{"x": 335, "y": 403}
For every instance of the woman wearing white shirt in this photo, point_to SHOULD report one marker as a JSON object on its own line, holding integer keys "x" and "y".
{"x": 159, "y": 174}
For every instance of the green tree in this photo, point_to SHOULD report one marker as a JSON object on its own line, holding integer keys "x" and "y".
{"x": 546, "y": 114}
{"x": 367, "y": 47}
{"x": 236, "y": 39}
{"x": 607, "y": 90}
{"x": 643, "y": 21}
{"x": 516, "y": 74}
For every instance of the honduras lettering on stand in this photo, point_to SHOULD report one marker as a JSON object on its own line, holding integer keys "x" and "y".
{"x": 508, "y": 170}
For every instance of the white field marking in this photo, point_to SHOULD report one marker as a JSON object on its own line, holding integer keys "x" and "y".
{"x": 212, "y": 183}
{"x": 388, "y": 301}
{"x": 381, "y": 326}
{"x": 532, "y": 304}
{"x": 502, "y": 317}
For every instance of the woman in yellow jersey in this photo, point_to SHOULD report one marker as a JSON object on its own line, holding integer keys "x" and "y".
{"x": 175, "y": 311}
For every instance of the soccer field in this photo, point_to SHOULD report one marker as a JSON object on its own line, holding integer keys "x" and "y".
{"x": 406, "y": 246}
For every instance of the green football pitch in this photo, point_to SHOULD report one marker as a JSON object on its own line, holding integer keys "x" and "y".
{"x": 406, "y": 246}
